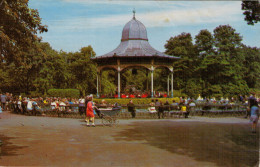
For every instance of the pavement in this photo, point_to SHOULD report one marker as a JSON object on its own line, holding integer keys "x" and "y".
{"x": 196, "y": 141}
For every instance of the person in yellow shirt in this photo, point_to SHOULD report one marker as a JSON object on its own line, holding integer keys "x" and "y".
{"x": 184, "y": 110}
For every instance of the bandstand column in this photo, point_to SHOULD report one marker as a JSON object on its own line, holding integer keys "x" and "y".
{"x": 118, "y": 73}
{"x": 168, "y": 85}
{"x": 100, "y": 80}
{"x": 97, "y": 85}
{"x": 147, "y": 81}
{"x": 172, "y": 82}
{"x": 152, "y": 82}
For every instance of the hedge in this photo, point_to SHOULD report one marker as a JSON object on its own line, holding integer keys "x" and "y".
{"x": 137, "y": 100}
{"x": 73, "y": 93}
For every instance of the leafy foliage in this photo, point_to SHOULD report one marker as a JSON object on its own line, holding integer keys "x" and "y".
{"x": 108, "y": 80}
{"x": 221, "y": 64}
{"x": 18, "y": 28}
{"x": 252, "y": 11}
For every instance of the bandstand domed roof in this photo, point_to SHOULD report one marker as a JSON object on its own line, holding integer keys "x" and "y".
{"x": 134, "y": 43}
{"x": 134, "y": 30}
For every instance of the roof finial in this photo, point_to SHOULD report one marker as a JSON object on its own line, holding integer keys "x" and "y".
{"x": 134, "y": 13}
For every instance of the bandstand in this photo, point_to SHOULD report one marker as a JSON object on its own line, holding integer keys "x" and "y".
{"x": 134, "y": 51}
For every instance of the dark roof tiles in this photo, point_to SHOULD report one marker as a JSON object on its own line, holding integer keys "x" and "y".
{"x": 134, "y": 42}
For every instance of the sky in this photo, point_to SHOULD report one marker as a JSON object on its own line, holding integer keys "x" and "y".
{"x": 73, "y": 24}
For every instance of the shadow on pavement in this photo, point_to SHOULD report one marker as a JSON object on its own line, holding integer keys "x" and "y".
{"x": 222, "y": 144}
{"x": 7, "y": 148}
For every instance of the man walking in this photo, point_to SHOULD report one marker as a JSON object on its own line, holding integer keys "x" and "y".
{"x": 159, "y": 108}
{"x": 131, "y": 108}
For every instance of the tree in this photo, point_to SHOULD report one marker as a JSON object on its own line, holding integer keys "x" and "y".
{"x": 82, "y": 70}
{"x": 205, "y": 47}
{"x": 137, "y": 79}
{"x": 21, "y": 74}
{"x": 252, "y": 11}
{"x": 220, "y": 62}
{"x": 227, "y": 66}
{"x": 19, "y": 26}
{"x": 204, "y": 43}
{"x": 53, "y": 72}
{"x": 108, "y": 82}
{"x": 19, "y": 45}
{"x": 217, "y": 65}
{"x": 182, "y": 46}
{"x": 251, "y": 65}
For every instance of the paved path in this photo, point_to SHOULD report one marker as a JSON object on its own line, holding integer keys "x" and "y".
{"x": 197, "y": 141}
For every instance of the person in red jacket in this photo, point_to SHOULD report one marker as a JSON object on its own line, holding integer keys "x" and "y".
{"x": 90, "y": 112}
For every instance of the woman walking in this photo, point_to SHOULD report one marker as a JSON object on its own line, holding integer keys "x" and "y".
{"x": 90, "y": 116}
{"x": 254, "y": 114}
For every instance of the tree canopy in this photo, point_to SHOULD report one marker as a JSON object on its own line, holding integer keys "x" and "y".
{"x": 19, "y": 26}
{"x": 221, "y": 64}
{"x": 251, "y": 11}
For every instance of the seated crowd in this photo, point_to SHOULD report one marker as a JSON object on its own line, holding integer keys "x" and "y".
{"x": 34, "y": 106}
{"x": 182, "y": 108}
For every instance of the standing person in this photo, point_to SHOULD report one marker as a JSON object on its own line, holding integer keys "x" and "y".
{"x": 161, "y": 110}
{"x": 254, "y": 114}
{"x": 251, "y": 100}
{"x": 24, "y": 105}
{"x": 90, "y": 116}
{"x": 131, "y": 108}
{"x": 185, "y": 111}
{"x": 3, "y": 101}
{"x": 82, "y": 107}
{"x": 29, "y": 107}
{"x": 191, "y": 107}
{"x": 0, "y": 110}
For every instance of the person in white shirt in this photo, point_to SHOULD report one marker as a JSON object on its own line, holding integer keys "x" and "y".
{"x": 82, "y": 108}
{"x": 62, "y": 106}
{"x": 29, "y": 105}
{"x": 53, "y": 105}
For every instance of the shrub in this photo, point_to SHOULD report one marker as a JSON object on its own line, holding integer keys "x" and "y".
{"x": 73, "y": 93}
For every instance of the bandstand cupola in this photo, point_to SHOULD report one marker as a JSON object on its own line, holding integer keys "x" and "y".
{"x": 134, "y": 30}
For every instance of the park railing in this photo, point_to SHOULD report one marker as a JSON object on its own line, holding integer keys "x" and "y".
{"x": 202, "y": 109}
